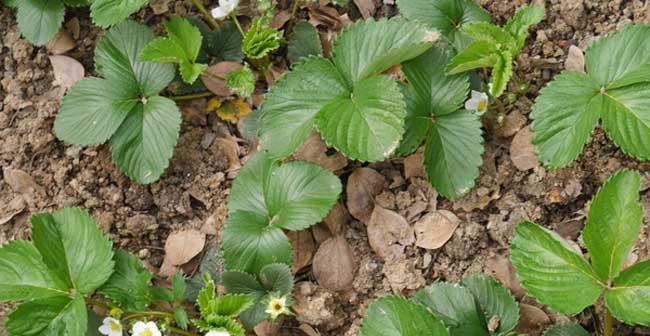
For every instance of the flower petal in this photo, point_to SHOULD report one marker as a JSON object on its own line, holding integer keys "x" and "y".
{"x": 219, "y": 13}
{"x": 471, "y": 104}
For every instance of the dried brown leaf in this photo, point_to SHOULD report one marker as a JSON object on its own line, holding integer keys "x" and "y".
{"x": 214, "y": 77}
{"x": 337, "y": 219}
{"x": 575, "y": 60}
{"x": 21, "y": 182}
{"x": 314, "y": 150}
{"x": 302, "y": 249}
{"x": 181, "y": 247}
{"x": 334, "y": 266}
{"x": 435, "y": 229}
{"x": 60, "y": 43}
{"x": 414, "y": 165}
{"x": 67, "y": 70}
{"x": 363, "y": 185}
{"x": 522, "y": 152}
{"x": 389, "y": 233}
{"x": 366, "y": 7}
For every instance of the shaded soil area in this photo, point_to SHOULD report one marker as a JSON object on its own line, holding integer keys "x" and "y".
{"x": 40, "y": 173}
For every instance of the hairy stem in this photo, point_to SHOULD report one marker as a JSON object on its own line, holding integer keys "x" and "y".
{"x": 191, "y": 96}
{"x": 608, "y": 323}
{"x": 153, "y": 314}
{"x": 97, "y": 303}
{"x": 208, "y": 17}
{"x": 181, "y": 332}
{"x": 294, "y": 10}
{"x": 236, "y": 21}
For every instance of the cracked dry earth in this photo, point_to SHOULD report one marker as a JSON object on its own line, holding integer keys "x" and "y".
{"x": 375, "y": 251}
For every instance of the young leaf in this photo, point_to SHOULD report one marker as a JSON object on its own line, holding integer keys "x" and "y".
{"x": 242, "y": 81}
{"x": 614, "y": 223}
{"x": 181, "y": 318}
{"x": 478, "y": 54}
{"x": 446, "y": 16}
{"x": 494, "y": 300}
{"x": 39, "y": 20}
{"x": 109, "y": 12}
{"x": 568, "y": 109}
{"x": 261, "y": 39}
{"x": 396, "y": 316}
{"x": 369, "y": 47}
{"x": 551, "y": 271}
{"x": 501, "y": 74}
{"x": 304, "y": 42}
{"x": 456, "y": 307}
{"x": 485, "y": 31}
{"x": 128, "y": 286}
{"x": 73, "y": 248}
{"x": 566, "y": 329}
{"x": 178, "y": 286}
{"x": 519, "y": 24}
{"x": 629, "y": 299}
{"x": 56, "y": 315}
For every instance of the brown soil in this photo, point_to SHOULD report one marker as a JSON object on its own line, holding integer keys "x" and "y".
{"x": 193, "y": 192}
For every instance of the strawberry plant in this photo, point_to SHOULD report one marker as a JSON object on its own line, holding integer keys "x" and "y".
{"x": 70, "y": 265}
{"x": 452, "y": 136}
{"x": 357, "y": 110}
{"x": 559, "y": 276}
{"x": 182, "y": 46}
{"x": 612, "y": 89}
{"x": 441, "y": 309}
{"x": 124, "y": 107}
{"x": 445, "y": 16}
{"x": 496, "y": 47}
{"x": 40, "y": 20}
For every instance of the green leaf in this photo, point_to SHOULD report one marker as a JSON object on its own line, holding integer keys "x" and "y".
{"x": 191, "y": 71}
{"x": 92, "y": 111}
{"x": 304, "y": 42}
{"x": 181, "y": 318}
{"x": 396, "y": 316}
{"x": 369, "y": 47}
{"x": 144, "y": 143}
{"x": 243, "y": 283}
{"x": 564, "y": 115}
{"x": 39, "y": 20}
{"x": 629, "y": 299}
{"x": 249, "y": 243}
{"x": 626, "y": 117}
{"x": 261, "y": 39}
{"x": 610, "y": 58}
{"x": 495, "y": 300}
{"x": 74, "y": 248}
{"x": 614, "y": 223}
{"x": 290, "y": 107}
{"x": 374, "y": 113}
{"x": 446, "y": 16}
{"x": 501, "y": 74}
{"x": 225, "y": 43}
{"x": 519, "y": 24}
{"x": 566, "y": 329}
{"x": 178, "y": 286}
{"x": 109, "y": 12}
{"x": 551, "y": 271}
{"x": 455, "y": 306}
{"x": 277, "y": 278}
{"x": 486, "y": 31}
{"x": 128, "y": 286}
{"x": 478, "y": 54}
{"x": 56, "y": 315}
{"x": 242, "y": 81}
{"x": 24, "y": 275}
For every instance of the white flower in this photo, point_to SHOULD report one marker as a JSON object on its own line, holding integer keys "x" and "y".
{"x": 478, "y": 102}
{"x": 145, "y": 329}
{"x": 111, "y": 327}
{"x": 218, "y": 333}
{"x": 276, "y": 307}
{"x": 224, "y": 9}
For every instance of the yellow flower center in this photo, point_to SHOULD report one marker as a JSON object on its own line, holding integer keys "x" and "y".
{"x": 482, "y": 105}
{"x": 146, "y": 332}
{"x": 115, "y": 326}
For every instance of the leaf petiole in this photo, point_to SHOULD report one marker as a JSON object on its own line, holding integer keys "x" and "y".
{"x": 208, "y": 17}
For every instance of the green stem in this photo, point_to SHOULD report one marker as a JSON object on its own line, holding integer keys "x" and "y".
{"x": 154, "y": 314}
{"x": 608, "y": 323}
{"x": 294, "y": 10}
{"x": 234, "y": 19}
{"x": 208, "y": 17}
{"x": 97, "y": 303}
{"x": 191, "y": 96}
{"x": 181, "y": 332}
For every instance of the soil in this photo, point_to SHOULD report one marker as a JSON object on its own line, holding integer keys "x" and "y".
{"x": 40, "y": 173}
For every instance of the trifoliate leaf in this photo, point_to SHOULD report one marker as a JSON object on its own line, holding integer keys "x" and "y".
{"x": 568, "y": 109}
{"x": 501, "y": 74}
{"x": 24, "y": 275}
{"x": 145, "y": 141}
{"x": 261, "y": 39}
{"x": 182, "y": 46}
{"x": 495, "y": 301}
{"x": 614, "y": 223}
{"x": 39, "y": 20}
{"x": 304, "y": 42}
{"x": 456, "y": 307}
{"x": 242, "y": 81}
{"x": 73, "y": 248}
{"x": 369, "y": 47}
{"x": 551, "y": 271}
{"x": 396, "y": 316}
{"x": 290, "y": 107}
{"x": 56, "y": 315}
{"x": 109, "y": 12}
{"x": 446, "y": 16}
{"x": 478, "y": 54}
{"x": 629, "y": 299}
{"x": 143, "y": 127}
{"x": 519, "y": 24}
{"x": 485, "y": 31}
{"x": 128, "y": 286}
{"x": 566, "y": 329}
{"x": 249, "y": 243}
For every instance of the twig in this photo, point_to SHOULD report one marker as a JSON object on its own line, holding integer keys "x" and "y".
{"x": 208, "y": 17}
{"x": 191, "y": 96}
